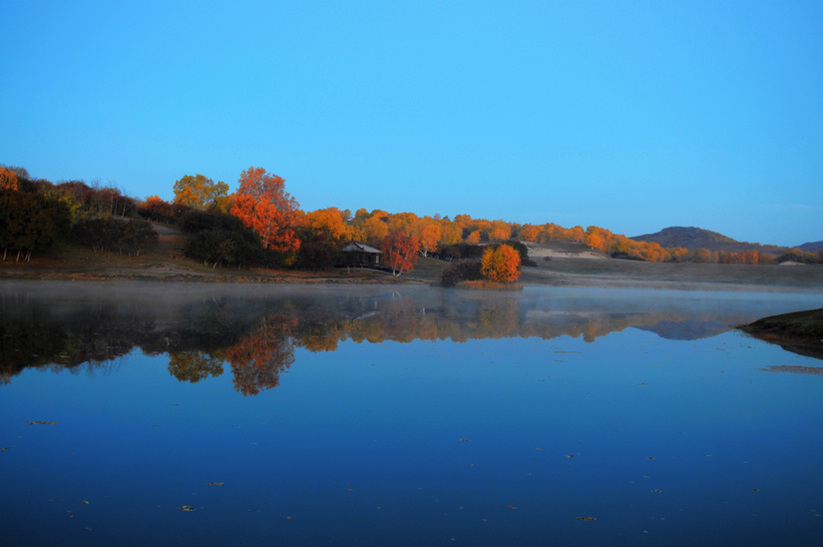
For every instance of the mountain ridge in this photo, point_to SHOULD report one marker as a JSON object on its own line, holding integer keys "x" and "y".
{"x": 693, "y": 238}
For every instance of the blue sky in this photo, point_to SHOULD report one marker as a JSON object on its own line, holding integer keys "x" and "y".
{"x": 632, "y": 116}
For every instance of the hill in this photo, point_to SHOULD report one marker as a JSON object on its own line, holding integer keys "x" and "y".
{"x": 813, "y": 247}
{"x": 693, "y": 238}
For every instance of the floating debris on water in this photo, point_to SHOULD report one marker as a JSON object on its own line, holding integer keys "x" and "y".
{"x": 215, "y": 483}
{"x": 512, "y": 506}
{"x": 187, "y": 508}
{"x": 657, "y": 491}
{"x": 41, "y": 422}
{"x": 465, "y": 440}
{"x": 586, "y": 518}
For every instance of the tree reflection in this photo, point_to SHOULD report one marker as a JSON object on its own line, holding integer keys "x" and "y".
{"x": 193, "y": 366}
{"x": 258, "y": 360}
{"x": 257, "y": 335}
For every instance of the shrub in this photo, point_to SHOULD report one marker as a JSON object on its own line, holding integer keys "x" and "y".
{"x": 30, "y": 222}
{"x": 462, "y": 270}
{"x": 218, "y": 247}
{"x": 109, "y": 235}
{"x": 462, "y": 250}
{"x": 316, "y": 255}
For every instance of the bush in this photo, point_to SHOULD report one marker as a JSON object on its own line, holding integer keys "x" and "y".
{"x": 30, "y": 222}
{"x": 457, "y": 272}
{"x": 193, "y": 222}
{"x": 316, "y": 255}
{"x": 220, "y": 239}
{"x": 462, "y": 250}
{"x": 218, "y": 247}
{"x": 109, "y": 235}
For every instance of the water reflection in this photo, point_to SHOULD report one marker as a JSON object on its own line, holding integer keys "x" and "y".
{"x": 256, "y": 329}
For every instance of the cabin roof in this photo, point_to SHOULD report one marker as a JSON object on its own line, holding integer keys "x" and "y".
{"x": 360, "y": 248}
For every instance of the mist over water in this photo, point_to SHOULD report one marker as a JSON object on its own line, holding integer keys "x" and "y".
{"x": 337, "y": 414}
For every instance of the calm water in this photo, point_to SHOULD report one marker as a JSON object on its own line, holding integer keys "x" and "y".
{"x": 334, "y": 415}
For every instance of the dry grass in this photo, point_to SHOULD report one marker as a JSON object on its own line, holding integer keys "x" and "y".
{"x": 575, "y": 267}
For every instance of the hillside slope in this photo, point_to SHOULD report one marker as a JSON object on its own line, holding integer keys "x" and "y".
{"x": 693, "y": 238}
{"x": 811, "y": 247}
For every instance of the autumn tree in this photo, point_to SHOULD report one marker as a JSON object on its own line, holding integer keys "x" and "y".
{"x": 8, "y": 179}
{"x": 262, "y": 204}
{"x": 154, "y": 208}
{"x": 326, "y": 224}
{"x": 530, "y": 233}
{"x": 201, "y": 192}
{"x": 429, "y": 233}
{"x": 499, "y": 230}
{"x": 450, "y": 233}
{"x": 400, "y": 252}
{"x": 500, "y": 264}
{"x": 597, "y": 238}
{"x": 375, "y": 228}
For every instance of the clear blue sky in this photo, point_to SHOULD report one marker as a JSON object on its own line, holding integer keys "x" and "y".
{"x": 631, "y": 115}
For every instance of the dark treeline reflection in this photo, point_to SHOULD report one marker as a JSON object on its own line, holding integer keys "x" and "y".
{"x": 255, "y": 330}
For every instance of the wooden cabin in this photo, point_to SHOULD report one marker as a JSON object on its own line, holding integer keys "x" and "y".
{"x": 357, "y": 254}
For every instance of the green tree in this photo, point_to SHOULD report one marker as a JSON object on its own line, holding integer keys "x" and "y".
{"x": 30, "y": 222}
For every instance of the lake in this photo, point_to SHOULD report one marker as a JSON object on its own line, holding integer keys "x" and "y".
{"x": 189, "y": 414}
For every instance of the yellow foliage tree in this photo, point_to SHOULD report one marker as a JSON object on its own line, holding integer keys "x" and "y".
{"x": 200, "y": 192}
{"x": 328, "y": 224}
{"x": 428, "y": 234}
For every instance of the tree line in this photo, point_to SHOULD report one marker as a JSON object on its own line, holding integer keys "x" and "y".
{"x": 261, "y": 224}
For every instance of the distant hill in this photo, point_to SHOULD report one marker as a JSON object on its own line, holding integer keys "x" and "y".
{"x": 693, "y": 238}
{"x": 814, "y": 247}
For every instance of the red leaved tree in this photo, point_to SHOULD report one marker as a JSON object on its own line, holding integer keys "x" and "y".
{"x": 400, "y": 252}
{"x": 263, "y": 205}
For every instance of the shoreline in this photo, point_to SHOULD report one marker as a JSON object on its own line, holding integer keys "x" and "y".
{"x": 167, "y": 265}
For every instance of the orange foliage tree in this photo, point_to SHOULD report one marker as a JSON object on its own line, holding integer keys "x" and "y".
{"x": 327, "y": 224}
{"x": 428, "y": 232}
{"x": 262, "y": 204}
{"x": 258, "y": 360}
{"x": 400, "y": 252}
{"x": 8, "y": 179}
{"x": 375, "y": 227}
{"x": 500, "y": 264}
{"x": 499, "y": 230}
{"x": 450, "y": 233}
{"x": 529, "y": 233}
